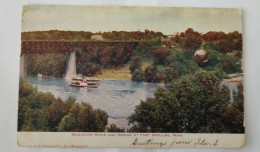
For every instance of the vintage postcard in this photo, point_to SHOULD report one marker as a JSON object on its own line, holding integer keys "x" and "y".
{"x": 150, "y": 77}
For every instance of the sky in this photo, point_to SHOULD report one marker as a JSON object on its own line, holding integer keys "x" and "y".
{"x": 106, "y": 18}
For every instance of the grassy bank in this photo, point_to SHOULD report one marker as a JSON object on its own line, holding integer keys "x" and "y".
{"x": 116, "y": 74}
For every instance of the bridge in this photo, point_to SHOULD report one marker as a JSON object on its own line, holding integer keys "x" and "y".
{"x": 28, "y": 47}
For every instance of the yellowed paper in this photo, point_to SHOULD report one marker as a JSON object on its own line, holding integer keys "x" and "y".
{"x": 138, "y": 77}
{"x": 133, "y": 140}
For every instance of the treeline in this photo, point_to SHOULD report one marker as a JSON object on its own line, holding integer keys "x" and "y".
{"x": 185, "y": 53}
{"x": 133, "y": 35}
{"x": 57, "y": 35}
{"x": 192, "y": 104}
{"x": 39, "y": 111}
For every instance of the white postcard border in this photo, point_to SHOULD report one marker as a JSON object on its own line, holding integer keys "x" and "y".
{"x": 129, "y": 140}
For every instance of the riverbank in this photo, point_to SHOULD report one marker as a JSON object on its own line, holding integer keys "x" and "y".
{"x": 115, "y": 74}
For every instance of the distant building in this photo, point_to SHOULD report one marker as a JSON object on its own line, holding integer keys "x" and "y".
{"x": 97, "y": 37}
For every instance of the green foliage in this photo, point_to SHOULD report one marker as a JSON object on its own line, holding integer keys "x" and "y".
{"x": 160, "y": 54}
{"x": 223, "y": 50}
{"x": 160, "y": 75}
{"x": 57, "y": 35}
{"x": 114, "y": 128}
{"x": 25, "y": 89}
{"x": 138, "y": 75}
{"x": 88, "y": 68}
{"x": 135, "y": 64}
{"x": 83, "y": 118}
{"x": 212, "y": 36}
{"x": 70, "y": 102}
{"x": 34, "y": 120}
{"x": 220, "y": 74}
{"x": 164, "y": 74}
{"x": 52, "y": 64}
{"x": 193, "y": 104}
{"x": 228, "y": 62}
{"x": 32, "y": 108}
{"x": 86, "y": 35}
{"x": 150, "y": 74}
{"x": 93, "y": 58}
{"x": 91, "y": 69}
{"x": 183, "y": 62}
{"x": 212, "y": 46}
{"x": 56, "y": 111}
{"x": 169, "y": 65}
{"x": 39, "y": 111}
{"x": 234, "y": 116}
{"x": 223, "y": 42}
{"x": 189, "y": 40}
{"x": 213, "y": 58}
{"x": 68, "y": 123}
{"x": 145, "y": 48}
{"x": 231, "y": 64}
{"x": 201, "y": 60}
{"x": 100, "y": 120}
{"x": 170, "y": 74}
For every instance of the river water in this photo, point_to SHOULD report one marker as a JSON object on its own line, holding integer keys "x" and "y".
{"x": 117, "y": 98}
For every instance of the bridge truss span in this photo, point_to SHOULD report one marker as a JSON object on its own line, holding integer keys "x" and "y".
{"x": 28, "y": 47}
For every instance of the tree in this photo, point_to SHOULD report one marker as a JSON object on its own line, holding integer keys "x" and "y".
{"x": 68, "y": 123}
{"x": 170, "y": 74}
{"x": 149, "y": 74}
{"x": 231, "y": 64}
{"x": 135, "y": 64}
{"x": 183, "y": 63}
{"x": 138, "y": 75}
{"x": 145, "y": 48}
{"x": 160, "y": 54}
{"x": 25, "y": 89}
{"x": 222, "y": 42}
{"x": 56, "y": 111}
{"x": 101, "y": 118}
{"x": 193, "y": 104}
{"x": 39, "y": 111}
{"x": 213, "y": 58}
{"x": 160, "y": 74}
{"x": 70, "y": 102}
{"x": 212, "y": 36}
{"x": 35, "y": 120}
{"x": 32, "y": 107}
{"x": 114, "y": 128}
{"x": 234, "y": 116}
{"x": 190, "y": 39}
{"x": 83, "y": 118}
{"x": 47, "y": 63}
